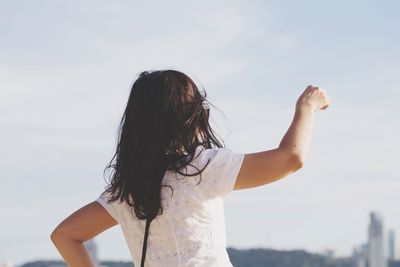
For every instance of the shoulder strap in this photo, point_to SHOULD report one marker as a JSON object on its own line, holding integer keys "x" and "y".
{"x": 146, "y": 234}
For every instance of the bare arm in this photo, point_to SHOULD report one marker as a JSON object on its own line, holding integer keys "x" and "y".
{"x": 268, "y": 166}
{"x": 82, "y": 225}
{"x": 298, "y": 136}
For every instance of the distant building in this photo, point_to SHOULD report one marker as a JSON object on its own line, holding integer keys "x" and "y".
{"x": 392, "y": 245}
{"x": 92, "y": 248}
{"x": 364, "y": 248}
{"x": 360, "y": 256}
{"x": 376, "y": 257}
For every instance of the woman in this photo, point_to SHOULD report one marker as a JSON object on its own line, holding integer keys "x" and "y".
{"x": 171, "y": 172}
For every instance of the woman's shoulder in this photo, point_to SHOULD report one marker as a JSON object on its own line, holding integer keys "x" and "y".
{"x": 219, "y": 156}
{"x": 221, "y": 167}
{"x": 212, "y": 153}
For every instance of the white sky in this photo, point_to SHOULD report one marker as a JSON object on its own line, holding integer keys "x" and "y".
{"x": 65, "y": 74}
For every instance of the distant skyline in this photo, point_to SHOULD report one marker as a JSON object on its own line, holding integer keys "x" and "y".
{"x": 66, "y": 69}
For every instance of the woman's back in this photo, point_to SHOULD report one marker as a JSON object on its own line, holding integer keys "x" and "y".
{"x": 165, "y": 124}
{"x": 191, "y": 229}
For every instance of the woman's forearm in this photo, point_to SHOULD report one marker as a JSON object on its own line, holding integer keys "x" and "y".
{"x": 74, "y": 253}
{"x": 298, "y": 136}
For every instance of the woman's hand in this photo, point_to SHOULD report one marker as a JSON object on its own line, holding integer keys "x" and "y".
{"x": 315, "y": 97}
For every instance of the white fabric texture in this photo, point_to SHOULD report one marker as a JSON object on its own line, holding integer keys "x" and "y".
{"x": 191, "y": 230}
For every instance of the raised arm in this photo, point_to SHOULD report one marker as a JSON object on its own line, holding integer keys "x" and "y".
{"x": 268, "y": 166}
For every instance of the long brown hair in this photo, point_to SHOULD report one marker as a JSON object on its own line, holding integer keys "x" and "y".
{"x": 163, "y": 123}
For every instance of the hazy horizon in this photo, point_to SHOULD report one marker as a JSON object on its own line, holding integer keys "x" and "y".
{"x": 66, "y": 72}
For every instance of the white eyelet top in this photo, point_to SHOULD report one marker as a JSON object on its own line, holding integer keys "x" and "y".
{"x": 191, "y": 230}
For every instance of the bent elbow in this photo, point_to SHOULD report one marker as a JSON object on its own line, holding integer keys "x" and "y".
{"x": 297, "y": 162}
{"x": 54, "y": 235}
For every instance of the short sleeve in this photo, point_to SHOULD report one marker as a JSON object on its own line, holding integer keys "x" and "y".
{"x": 220, "y": 175}
{"x": 113, "y": 208}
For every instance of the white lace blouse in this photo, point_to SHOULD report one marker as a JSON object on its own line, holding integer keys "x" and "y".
{"x": 191, "y": 230}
